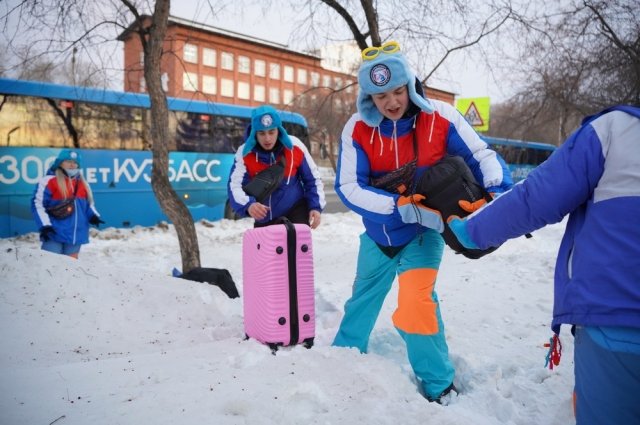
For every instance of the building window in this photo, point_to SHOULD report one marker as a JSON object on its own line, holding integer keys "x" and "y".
{"x": 190, "y": 81}
{"x": 315, "y": 79}
{"x": 288, "y": 73}
{"x": 274, "y": 96}
{"x": 287, "y": 96}
{"x": 258, "y": 93}
{"x": 243, "y": 90}
{"x": 209, "y": 84}
{"x": 208, "y": 57}
{"x": 338, "y": 81}
{"x": 274, "y": 71}
{"x": 244, "y": 64}
{"x": 226, "y": 87}
{"x": 143, "y": 85}
{"x": 190, "y": 53}
{"x": 326, "y": 81}
{"x": 226, "y": 61}
{"x": 259, "y": 68}
{"x": 142, "y": 58}
{"x": 164, "y": 79}
{"x": 302, "y": 76}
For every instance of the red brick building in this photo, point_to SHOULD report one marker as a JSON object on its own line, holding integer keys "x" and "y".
{"x": 207, "y": 63}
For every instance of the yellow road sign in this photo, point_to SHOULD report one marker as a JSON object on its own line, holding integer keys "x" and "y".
{"x": 476, "y": 111}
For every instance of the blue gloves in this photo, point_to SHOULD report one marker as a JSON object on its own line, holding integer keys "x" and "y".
{"x": 413, "y": 211}
{"x": 459, "y": 228}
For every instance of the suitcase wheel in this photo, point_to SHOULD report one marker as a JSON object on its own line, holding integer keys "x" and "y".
{"x": 274, "y": 347}
{"x": 308, "y": 343}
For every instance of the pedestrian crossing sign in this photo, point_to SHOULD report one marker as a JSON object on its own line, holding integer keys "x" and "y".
{"x": 476, "y": 111}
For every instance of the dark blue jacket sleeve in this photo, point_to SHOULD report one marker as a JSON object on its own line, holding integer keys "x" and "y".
{"x": 555, "y": 188}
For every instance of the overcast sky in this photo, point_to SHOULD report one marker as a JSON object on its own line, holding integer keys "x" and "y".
{"x": 460, "y": 74}
{"x": 465, "y": 78}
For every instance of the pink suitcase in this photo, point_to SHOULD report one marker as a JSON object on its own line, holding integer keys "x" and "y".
{"x": 278, "y": 289}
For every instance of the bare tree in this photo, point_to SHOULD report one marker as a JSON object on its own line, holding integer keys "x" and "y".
{"x": 82, "y": 25}
{"x": 431, "y": 34}
{"x": 152, "y": 38}
{"x": 578, "y": 58}
{"x": 326, "y": 110}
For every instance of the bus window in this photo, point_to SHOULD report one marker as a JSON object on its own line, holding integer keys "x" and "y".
{"x": 300, "y": 131}
{"x": 112, "y": 130}
{"x": 521, "y": 157}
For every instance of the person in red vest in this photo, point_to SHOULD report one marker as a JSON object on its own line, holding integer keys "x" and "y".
{"x": 297, "y": 194}
{"x": 399, "y": 132}
{"x": 63, "y": 206}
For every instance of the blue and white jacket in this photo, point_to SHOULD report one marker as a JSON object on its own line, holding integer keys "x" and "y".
{"x": 595, "y": 177}
{"x": 301, "y": 179}
{"x": 73, "y": 229}
{"x": 369, "y": 152}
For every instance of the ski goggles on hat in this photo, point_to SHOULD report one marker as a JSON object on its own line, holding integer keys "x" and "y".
{"x": 370, "y": 53}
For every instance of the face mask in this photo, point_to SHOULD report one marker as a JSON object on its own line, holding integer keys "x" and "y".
{"x": 72, "y": 172}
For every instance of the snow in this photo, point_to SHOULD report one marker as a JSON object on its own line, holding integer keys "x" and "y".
{"x": 112, "y": 338}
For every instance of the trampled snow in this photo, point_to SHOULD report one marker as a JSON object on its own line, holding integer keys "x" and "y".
{"x": 112, "y": 338}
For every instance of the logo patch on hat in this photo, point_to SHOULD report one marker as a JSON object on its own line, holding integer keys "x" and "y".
{"x": 266, "y": 120}
{"x": 380, "y": 75}
{"x": 73, "y": 155}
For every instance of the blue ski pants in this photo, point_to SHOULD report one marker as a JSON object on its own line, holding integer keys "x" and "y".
{"x": 607, "y": 388}
{"x": 417, "y": 316}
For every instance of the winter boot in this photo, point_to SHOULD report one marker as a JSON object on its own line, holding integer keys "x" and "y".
{"x": 446, "y": 396}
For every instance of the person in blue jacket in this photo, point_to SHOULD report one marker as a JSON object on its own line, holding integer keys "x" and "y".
{"x": 594, "y": 177}
{"x": 64, "y": 233}
{"x": 399, "y": 132}
{"x": 299, "y": 196}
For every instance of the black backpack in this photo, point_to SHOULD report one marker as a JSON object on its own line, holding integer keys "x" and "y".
{"x": 443, "y": 185}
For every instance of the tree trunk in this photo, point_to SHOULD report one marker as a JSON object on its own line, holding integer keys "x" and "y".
{"x": 168, "y": 199}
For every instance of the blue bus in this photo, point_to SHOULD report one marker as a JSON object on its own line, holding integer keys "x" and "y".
{"x": 111, "y": 130}
{"x": 521, "y": 156}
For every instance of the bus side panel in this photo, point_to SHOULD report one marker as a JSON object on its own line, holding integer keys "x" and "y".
{"x": 120, "y": 181}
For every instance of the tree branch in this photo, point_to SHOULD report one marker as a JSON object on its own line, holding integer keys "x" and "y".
{"x": 360, "y": 38}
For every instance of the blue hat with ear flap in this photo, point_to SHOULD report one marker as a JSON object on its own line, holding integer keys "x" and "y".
{"x": 265, "y": 118}
{"x": 67, "y": 155}
{"x": 385, "y": 72}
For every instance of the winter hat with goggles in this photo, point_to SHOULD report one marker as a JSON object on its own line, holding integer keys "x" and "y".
{"x": 265, "y": 118}
{"x": 67, "y": 155}
{"x": 384, "y": 68}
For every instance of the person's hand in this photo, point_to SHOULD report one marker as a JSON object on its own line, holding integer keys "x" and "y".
{"x": 413, "y": 211}
{"x": 314, "y": 218}
{"x": 96, "y": 220}
{"x": 46, "y": 232}
{"x": 459, "y": 228}
{"x": 258, "y": 211}
{"x": 472, "y": 206}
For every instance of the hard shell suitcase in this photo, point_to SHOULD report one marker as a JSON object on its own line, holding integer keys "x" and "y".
{"x": 278, "y": 286}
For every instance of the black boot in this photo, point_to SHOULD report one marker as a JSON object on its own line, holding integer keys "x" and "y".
{"x": 445, "y": 396}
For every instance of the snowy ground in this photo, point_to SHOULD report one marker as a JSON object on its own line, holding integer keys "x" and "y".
{"x": 113, "y": 339}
